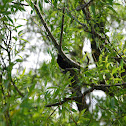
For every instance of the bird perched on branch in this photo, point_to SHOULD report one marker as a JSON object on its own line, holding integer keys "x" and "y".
{"x": 63, "y": 63}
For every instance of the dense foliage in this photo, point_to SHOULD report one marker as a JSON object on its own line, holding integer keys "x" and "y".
{"x": 47, "y": 92}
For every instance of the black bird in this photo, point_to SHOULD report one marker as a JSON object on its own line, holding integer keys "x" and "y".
{"x": 63, "y": 63}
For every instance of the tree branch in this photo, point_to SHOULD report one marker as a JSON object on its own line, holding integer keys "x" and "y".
{"x": 108, "y": 86}
{"x": 93, "y": 86}
{"x": 72, "y": 98}
{"x": 46, "y": 27}
{"x": 73, "y": 63}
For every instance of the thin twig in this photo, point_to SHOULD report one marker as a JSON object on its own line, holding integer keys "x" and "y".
{"x": 83, "y": 25}
{"x": 20, "y": 3}
{"x": 58, "y": 103}
{"x": 73, "y": 120}
{"x": 9, "y": 39}
{"x": 104, "y": 85}
{"x": 61, "y": 34}
{"x": 3, "y": 47}
{"x": 4, "y": 42}
{"x": 16, "y": 88}
{"x": 52, "y": 113}
{"x": 108, "y": 86}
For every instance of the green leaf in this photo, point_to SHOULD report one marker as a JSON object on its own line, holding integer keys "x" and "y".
{"x": 121, "y": 63}
{"x": 40, "y": 5}
{"x": 32, "y": 11}
{"x": 110, "y": 1}
{"x": 10, "y": 19}
{"x": 15, "y": 38}
{"x": 74, "y": 110}
{"x": 111, "y": 8}
{"x": 114, "y": 70}
{"x": 18, "y": 26}
{"x": 23, "y": 73}
{"x": 117, "y": 4}
{"x": 54, "y": 3}
{"x": 19, "y": 60}
{"x": 93, "y": 9}
{"x": 24, "y": 40}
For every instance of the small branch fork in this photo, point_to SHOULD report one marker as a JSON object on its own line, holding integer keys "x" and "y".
{"x": 57, "y": 46}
